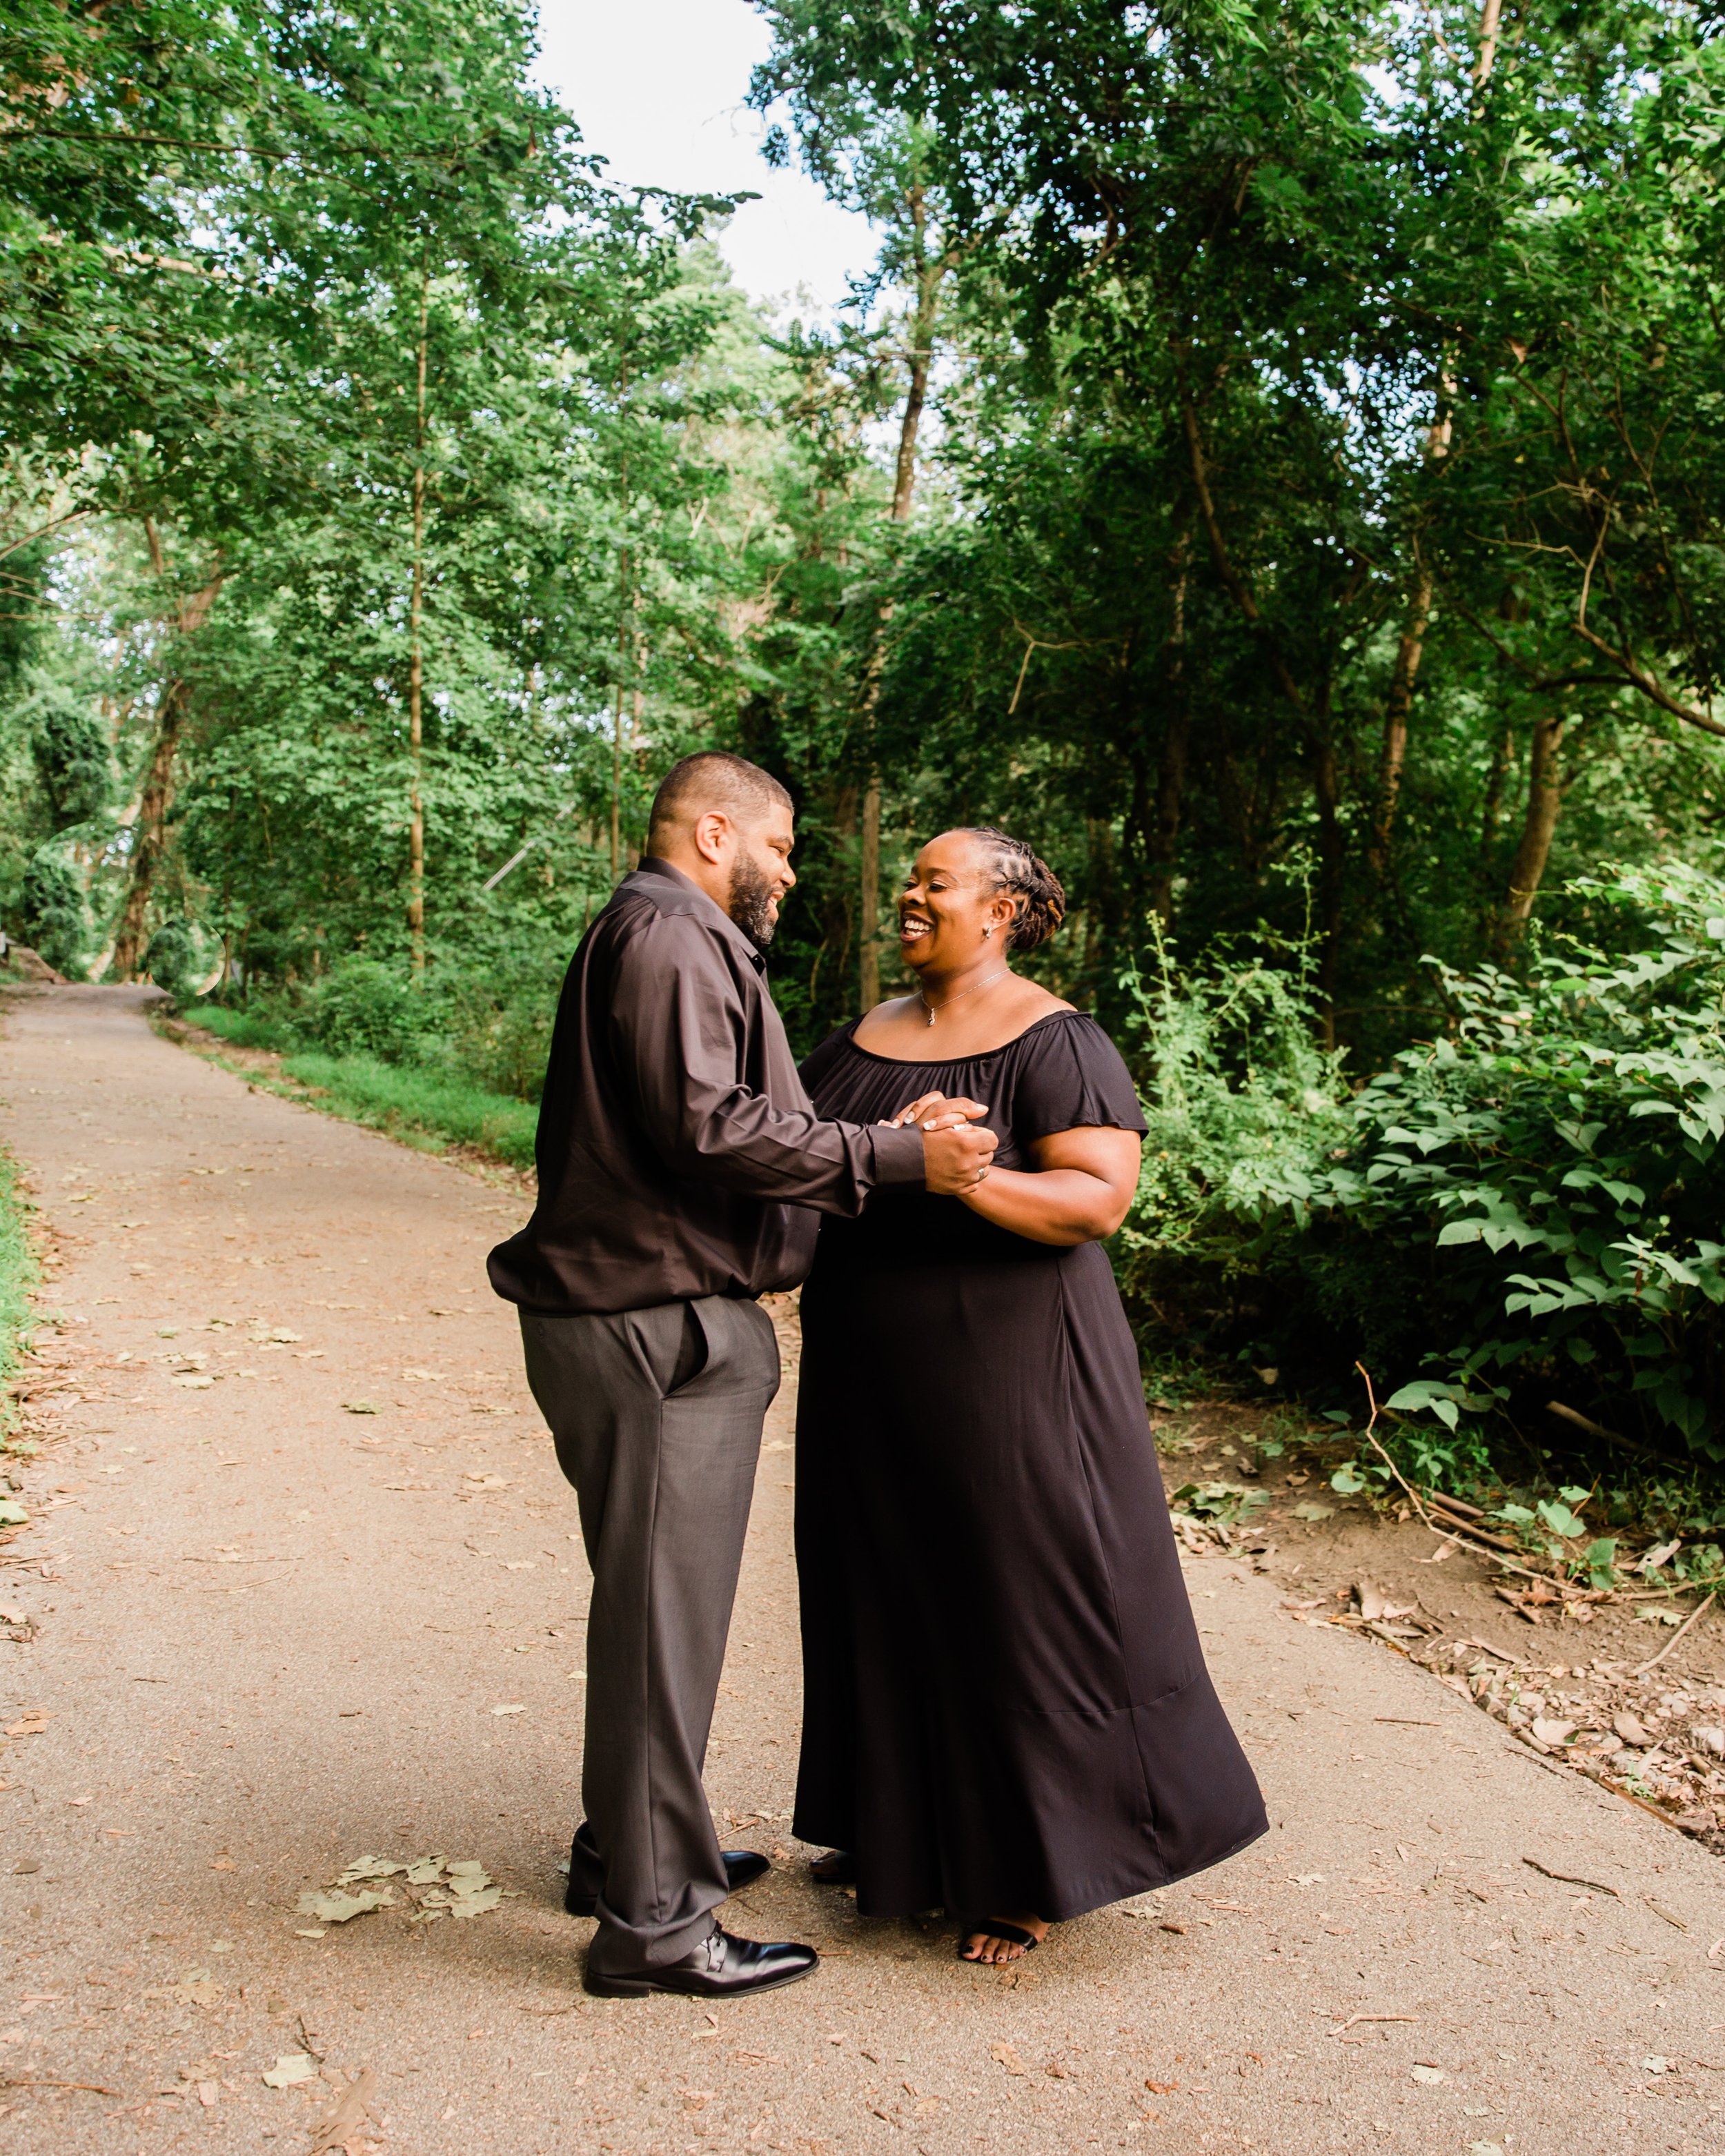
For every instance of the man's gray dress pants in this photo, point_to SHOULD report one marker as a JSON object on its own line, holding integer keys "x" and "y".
{"x": 656, "y": 1415}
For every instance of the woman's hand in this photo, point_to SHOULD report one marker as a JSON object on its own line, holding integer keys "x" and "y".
{"x": 935, "y": 1111}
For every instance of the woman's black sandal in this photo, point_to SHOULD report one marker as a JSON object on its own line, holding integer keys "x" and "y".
{"x": 996, "y": 1928}
{"x": 837, "y": 1868}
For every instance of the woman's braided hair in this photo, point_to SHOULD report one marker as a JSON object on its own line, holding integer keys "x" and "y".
{"x": 1042, "y": 900}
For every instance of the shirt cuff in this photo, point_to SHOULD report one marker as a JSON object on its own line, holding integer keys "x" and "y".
{"x": 898, "y": 1156}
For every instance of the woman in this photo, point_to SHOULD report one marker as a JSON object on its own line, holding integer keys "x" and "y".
{"x": 1006, "y": 1711}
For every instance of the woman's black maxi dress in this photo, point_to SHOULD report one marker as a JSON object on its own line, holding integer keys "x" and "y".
{"x": 1005, "y": 1704}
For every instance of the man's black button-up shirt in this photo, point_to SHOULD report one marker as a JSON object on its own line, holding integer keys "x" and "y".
{"x": 677, "y": 1151}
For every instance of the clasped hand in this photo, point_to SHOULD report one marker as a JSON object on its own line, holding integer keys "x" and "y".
{"x": 955, "y": 1157}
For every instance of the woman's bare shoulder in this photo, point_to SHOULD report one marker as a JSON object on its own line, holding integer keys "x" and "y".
{"x": 884, "y": 1015}
{"x": 1039, "y": 1002}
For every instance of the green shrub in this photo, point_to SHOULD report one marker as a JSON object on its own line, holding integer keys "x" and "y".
{"x": 361, "y": 1007}
{"x": 1541, "y": 1191}
{"x": 56, "y": 919}
{"x": 1243, "y": 1109}
{"x": 1530, "y": 1207}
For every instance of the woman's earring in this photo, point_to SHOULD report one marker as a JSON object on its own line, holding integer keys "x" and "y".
{"x": 987, "y": 931}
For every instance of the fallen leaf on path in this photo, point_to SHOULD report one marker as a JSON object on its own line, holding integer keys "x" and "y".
{"x": 1162, "y": 2088}
{"x": 509, "y": 1710}
{"x": 193, "y": 1382}
{"x": 342, "y": 1908}
{"x": 12, "y": 1513}
{"x": 367, "y": 1867}
{"x": 1428, "y": 2076}
{"x": 32, "y": 1724}
{"x": 1630, "y": 1730}
{"x": 1659, "y": 1909}
{"x": 1005, "y": 2055}
{"x": 341, "y": 2124}
{"x": 1551, "y": 1730}
{"x": 1312, "y": 1510}
{"x": 359, "y": 1407}
{"x": 425, "y": 1870}
{"x": 284, "y": 1339}
{"x": 291, "y": 2068}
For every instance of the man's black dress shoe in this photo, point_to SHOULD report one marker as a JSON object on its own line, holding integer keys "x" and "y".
{"x": 721, "y": 1966}
{"x": 743, "y": 1868}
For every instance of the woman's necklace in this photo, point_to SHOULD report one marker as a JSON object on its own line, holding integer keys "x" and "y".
{"x": 987, "y": 982}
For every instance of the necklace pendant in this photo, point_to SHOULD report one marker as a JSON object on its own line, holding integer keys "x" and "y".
{"x": 929, "y": 1020}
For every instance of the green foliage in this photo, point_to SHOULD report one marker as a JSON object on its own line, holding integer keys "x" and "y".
{"x": 1541, "y": 1188}
{"x": 52, "y": 911}
{"x": 362, "y": 1008}
{"x": 73, "y": 759}
{"x": 1223, "y": 1501}
{"x": 1243, "y": 1109}
{"x": 1530, "y": 1202}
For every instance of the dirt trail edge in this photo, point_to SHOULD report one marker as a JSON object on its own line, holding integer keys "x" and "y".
{"x": 301, "y": 1595}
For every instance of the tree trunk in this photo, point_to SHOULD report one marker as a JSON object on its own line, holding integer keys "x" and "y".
{"x": 1331, "y": 848}
{"x": 1171, "y": 777}
{"x": 1397, "y": 706}
{"x": 149, "y": 820}
{"x": 416, "y": 663}
{"x": 150, "y": 832}
{"x": 930, "y": 277}
{"x": 1539, "y": 824}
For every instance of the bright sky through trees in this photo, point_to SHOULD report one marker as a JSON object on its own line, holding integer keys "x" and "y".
{"x": 658, "y": 88}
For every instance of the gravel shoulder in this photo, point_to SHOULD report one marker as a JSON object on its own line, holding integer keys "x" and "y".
{"x": 300, "y": 1590}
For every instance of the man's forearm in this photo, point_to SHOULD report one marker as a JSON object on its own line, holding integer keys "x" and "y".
{"x": 789, "y": 1157}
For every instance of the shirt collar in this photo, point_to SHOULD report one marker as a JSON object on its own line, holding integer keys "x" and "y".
{"x": 713, "y": 915}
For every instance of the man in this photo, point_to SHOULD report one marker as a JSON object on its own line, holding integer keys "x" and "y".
{"x": 677, "y": 1151}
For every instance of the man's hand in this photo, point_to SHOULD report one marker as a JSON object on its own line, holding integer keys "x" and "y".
{"x": 955, "y": 1161}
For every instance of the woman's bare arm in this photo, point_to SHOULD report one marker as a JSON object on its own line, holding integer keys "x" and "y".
{"x": 1079, "y": 1191}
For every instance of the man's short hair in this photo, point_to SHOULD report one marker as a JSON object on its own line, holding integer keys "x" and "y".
{"x": 712, "y": 778}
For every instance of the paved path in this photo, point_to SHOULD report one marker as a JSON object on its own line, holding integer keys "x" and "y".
{"x": 272, "y": 1636}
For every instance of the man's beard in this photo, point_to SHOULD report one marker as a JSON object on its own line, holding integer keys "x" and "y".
{"x": 752, "y": 902}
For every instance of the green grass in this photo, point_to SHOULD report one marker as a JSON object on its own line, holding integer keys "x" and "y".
{"x": 17, "y": 1276}
{"x": 241, "y": 1027}
{"x": 426, "y": 1107}
{"x": 396, "y": 1098}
